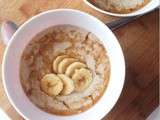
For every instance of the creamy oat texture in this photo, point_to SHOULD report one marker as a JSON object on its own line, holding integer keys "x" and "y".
{"x": 122, "y": 6}
{"x": 37, "y": 61}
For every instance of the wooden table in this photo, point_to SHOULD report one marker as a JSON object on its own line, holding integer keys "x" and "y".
{"x": 138, "y": 39}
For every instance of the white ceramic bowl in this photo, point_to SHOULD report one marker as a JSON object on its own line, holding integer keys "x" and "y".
{"x": 11, "y": 62}
{"x": 149, "y": 7}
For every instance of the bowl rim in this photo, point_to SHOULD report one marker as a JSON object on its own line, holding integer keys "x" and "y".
{"x": 50, "y": 12}
{"x": 132, "y": 14}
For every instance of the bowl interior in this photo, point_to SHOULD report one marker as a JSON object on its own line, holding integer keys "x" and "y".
{"x": 150, "y": 6}
{"x": 35, "y": 25}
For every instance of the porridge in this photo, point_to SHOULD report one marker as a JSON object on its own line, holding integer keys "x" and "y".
{"x": 64, "y": 70}
{"x": 120, "y": 6}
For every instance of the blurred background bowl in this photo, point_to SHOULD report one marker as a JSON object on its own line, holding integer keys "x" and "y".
{"x": 147, "y": 8}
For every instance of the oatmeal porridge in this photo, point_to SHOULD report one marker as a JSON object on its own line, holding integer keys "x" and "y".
{"x": 64, "y": 70}
{"x": 120, "y": 6}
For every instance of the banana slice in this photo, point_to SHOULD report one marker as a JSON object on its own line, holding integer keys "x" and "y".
{"x": 82, "y": 79}
{"x": 64, "y": 64}
{"x": 51, "y": 84}
{"x": 72, "y": 67}
{"x": 68, "y": 84}
{"x": 57, "y": 61}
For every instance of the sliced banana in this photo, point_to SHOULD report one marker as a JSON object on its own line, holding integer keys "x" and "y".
{"x": 64, "y": 64}
{"x": 72, "y": 67}
{"x": 68, "y": 84}
{"x": 82, "y": 79}
{"x": 57, "y": 61}
{"x": 51, "y": 84}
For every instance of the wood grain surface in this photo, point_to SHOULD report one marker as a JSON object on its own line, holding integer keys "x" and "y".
{"x": 139, "y": 41}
